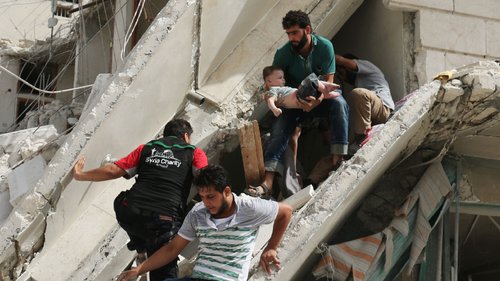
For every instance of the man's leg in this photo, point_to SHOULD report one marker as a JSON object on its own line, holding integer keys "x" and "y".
{"x": 131, "y": 223}
{"x": 366, "y": 109}
{"x": 162, "y": 231}
{"x": 337, "y": 112}
{"x": 281, "y": 132}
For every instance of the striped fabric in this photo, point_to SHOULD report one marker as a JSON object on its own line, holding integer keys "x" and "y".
{"x": 354, "y": 256}
{"x": 224, "y": 253}
{"x": 359, "y": 257}
{"x": 225, "y": 248}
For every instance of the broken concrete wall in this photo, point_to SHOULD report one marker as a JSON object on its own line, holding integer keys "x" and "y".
{"x": 15, "y": 148}
{"x": 452, "y": 33}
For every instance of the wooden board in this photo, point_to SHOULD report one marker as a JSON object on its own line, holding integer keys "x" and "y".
{"x": 251, "y": 152}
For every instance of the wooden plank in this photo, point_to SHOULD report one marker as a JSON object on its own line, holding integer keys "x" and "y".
{"x": 249, "y": 153}
{"x": 258, "y": 149}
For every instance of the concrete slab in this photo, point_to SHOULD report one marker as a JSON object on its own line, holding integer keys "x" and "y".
{"x": 65, "y": 258}
{"x": 232, "y": 27}
{"x": 24, "y": 178}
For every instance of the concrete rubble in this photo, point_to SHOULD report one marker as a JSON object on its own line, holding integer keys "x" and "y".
{"x": 44, "y": 226}
{"x": 24, "y": 157}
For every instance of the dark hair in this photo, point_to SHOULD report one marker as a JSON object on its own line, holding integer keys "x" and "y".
{"x": 350, "y": 56}
{"x": 268, "y": 70}
{"x": 177, "y": 128}
{"x": 212, "y": 176}
{"x": 295, "y": 18}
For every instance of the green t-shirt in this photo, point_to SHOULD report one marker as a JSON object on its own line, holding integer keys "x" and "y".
{"x": 321, "y": 61}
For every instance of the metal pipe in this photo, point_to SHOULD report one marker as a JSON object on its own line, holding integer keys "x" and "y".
{"x": 195, "y": 97}
{"x": 439, "y": 267}
{"x": 457, "y": 220}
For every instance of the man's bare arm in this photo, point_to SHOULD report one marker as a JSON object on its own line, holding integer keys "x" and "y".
{"x": 163, "y": 256}
{"x": 107, "y": 172}
{"x": 269, "y": 255}
{"x": 349, "y": 64}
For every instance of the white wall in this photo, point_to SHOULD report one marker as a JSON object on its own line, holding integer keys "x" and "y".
{"x": 452, "y": 33}
{"x": 8, "y": 89}
{"x": 95, "y": 48}
{"x": 26, "y": 20}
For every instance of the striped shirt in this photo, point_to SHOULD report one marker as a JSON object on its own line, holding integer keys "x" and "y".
{"x": 226, "y": 249}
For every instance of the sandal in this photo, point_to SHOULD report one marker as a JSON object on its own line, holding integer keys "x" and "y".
{"x": 261, "y": 191}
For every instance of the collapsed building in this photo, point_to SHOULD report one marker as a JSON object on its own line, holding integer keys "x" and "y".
{"x": 200, "y": 62}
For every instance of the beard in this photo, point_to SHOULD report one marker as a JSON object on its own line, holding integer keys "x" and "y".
{"x": 221, "y": 209}
{"x": 297, "y": 46}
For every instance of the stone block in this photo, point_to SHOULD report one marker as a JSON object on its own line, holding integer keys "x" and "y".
{"x": 486, "y": 8}
{"x": 451, "y": 92}
{"x": 23, "y": 178}
{"x": 482, "y": 84}
{"x": 452, "y": 32}
{"x": 493, "y": 38}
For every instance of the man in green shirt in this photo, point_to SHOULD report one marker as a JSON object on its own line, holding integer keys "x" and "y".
{"x": 303, "y": 54}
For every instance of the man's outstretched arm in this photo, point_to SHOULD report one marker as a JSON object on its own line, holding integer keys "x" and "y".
{"x": 107, "y": 172}
{"x": 269, "y": 255}
{"x": 163, "y": 256}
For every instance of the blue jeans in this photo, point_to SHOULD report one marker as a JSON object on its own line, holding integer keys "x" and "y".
{"x": 337, "y": 112}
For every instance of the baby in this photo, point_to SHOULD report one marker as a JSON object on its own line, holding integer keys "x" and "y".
{"x": 278, "y": 95}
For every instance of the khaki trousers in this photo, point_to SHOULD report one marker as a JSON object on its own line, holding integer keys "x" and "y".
{"x": 365, "y": 110}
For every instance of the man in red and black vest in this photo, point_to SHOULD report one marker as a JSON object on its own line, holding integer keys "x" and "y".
{"x": 152, "y": 211}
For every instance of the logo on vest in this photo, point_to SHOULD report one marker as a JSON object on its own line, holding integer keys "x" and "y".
{"x": 163, "y": 158}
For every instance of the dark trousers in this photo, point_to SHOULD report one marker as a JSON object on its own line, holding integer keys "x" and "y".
{"x": 148, "y": 232}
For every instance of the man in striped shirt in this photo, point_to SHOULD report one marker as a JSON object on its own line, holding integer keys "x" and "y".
{"x": 226, "y": 226}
